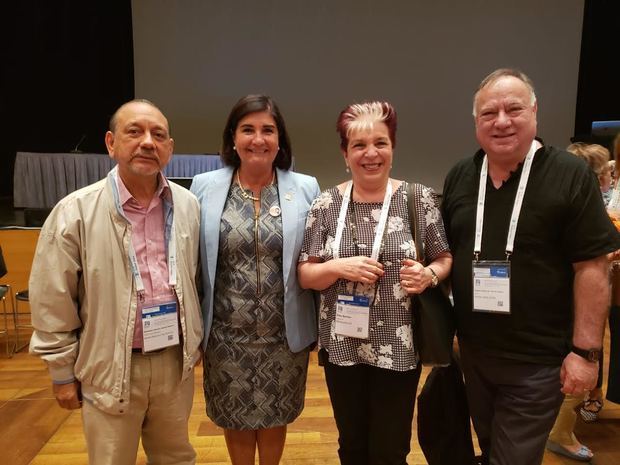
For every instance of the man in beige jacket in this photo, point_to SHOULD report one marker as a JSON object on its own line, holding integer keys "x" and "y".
{"x": 114, "y": 301}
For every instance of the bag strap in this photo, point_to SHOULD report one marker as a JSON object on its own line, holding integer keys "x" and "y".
{"x": 412, "y": 195}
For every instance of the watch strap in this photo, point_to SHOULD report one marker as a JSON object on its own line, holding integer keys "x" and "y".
{"x": 591, "y": 355}
{"x": 434, "y": 277}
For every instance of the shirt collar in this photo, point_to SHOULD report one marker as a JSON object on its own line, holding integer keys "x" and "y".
{"x": 163, "y": 189}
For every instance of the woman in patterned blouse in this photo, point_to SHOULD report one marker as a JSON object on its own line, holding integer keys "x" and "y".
{"x": 358, "y": 251}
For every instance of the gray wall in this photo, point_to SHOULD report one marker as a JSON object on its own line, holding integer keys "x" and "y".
{"x": 196, "y": 58}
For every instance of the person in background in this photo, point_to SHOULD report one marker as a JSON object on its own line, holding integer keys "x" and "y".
{"x": 562, "y": 436}
{"x": 114, "y": 301}
{"x": 589, "y": 411}
{"x": 259, "y": 325}
{"x": 597, "y": 157}
{"x": 613, "y": 376}
{"x": 530, "y": 238}
{"x": 358, "y": 251}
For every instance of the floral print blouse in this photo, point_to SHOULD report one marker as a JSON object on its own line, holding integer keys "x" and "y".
{"x": 390, "y": 340}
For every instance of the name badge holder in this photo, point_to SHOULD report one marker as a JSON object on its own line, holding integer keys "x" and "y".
{"x": 352, "y": 310}
{"x": 491, "y": 278}
{"x": 160, "y": 327}
{"x": 491, "y": 285}
{"x": 352, "y": 316}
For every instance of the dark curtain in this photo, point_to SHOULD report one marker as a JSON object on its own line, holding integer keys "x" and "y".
{"x": 598, "y": 92}
{"x": 66, "y": 66}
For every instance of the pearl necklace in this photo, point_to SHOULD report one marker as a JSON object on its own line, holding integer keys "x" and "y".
{"x": 245, "y": 194}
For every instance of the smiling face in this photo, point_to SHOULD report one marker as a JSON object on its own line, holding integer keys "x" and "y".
{"x": 256, "y": 141}
{"x": 369, "y": 156}
{"x": 505, "y": 118}
{"x": 140, "y": 143}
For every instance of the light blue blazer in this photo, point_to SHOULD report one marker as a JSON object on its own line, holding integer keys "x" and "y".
{"x": 296, "y": 193}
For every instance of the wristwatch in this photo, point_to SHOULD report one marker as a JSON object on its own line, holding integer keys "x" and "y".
{"x": 434, "y": 277}
{"x": 591, "y": 355}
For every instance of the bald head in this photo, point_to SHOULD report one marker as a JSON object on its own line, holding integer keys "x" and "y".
{"x": 140, "y": 143}
{"x": 114, "y": 119}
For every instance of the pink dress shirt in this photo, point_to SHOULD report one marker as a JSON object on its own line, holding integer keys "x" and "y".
{"x": 147, "y": 237}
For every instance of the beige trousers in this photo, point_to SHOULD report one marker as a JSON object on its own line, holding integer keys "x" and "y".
{"x": 159, "y": 410}
{"x": 564, "y": 426}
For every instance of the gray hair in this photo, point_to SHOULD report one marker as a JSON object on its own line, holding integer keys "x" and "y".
{"x": 505, "y": 72}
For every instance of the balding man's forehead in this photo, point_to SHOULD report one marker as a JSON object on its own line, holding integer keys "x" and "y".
{"x": 135, "y": 111}
{"x": 504, "y": 85}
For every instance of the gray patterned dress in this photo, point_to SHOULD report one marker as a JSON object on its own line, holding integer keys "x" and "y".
{"x": 252, "y": 380}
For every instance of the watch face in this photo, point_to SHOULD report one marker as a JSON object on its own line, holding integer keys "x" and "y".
{"x": 594, "y": 355}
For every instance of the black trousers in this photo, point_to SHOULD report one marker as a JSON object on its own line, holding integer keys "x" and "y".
{"x": 373, "y": 408}
{"x": 513, "y": 405}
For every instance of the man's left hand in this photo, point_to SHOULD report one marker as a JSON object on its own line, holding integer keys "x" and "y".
{"x": 578, "y": 375}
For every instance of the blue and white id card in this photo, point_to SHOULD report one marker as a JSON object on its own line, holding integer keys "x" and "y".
{"x": 160, "y": 326}
{"x": 491, "y": 286}
{"x": 352, "y": 316}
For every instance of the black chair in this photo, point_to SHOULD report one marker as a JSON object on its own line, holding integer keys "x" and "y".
{"x": 21, "y": 296}
{"x": 33, "y": 217}
{"x": 5, "y": 291}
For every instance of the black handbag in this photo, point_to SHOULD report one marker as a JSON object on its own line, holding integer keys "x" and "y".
{"x": 444, "y": 431}
{"x": 433, "y": 315}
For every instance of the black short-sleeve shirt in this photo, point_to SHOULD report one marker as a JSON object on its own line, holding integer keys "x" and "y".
{"x": 562, "y": 221}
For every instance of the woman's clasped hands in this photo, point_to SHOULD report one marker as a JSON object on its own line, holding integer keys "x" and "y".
{"x": 360, "y": 269}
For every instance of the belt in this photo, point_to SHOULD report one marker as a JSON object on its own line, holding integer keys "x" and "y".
{"x": 137, "y": 350}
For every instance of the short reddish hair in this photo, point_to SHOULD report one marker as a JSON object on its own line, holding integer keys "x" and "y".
{"x": 362, "y": 116}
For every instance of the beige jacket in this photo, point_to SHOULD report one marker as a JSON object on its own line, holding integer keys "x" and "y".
{"x": 83, "y": 296}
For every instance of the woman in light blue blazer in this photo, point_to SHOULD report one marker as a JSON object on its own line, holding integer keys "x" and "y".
{"x": 259, "y": 324}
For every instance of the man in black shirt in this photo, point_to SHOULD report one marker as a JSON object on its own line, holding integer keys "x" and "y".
{"x": 529, "y": 235}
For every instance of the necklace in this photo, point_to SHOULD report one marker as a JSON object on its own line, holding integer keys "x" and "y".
{"x": 245, "y": 194}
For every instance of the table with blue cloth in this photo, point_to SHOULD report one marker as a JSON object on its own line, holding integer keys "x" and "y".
{"x": 40, "y": 180}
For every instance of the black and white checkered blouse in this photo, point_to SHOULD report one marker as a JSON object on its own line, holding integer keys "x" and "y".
{"x": 390, "y": 341}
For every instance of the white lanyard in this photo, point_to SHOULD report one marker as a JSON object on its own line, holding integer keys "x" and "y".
{"x": 346, "y": 198}
{"x": 516, "y": 209}
{"x": 133, "y": 259}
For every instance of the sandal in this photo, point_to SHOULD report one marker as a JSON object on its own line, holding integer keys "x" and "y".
{"x": 590, "y": 409}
